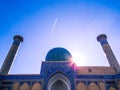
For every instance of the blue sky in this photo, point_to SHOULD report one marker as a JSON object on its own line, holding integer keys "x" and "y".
{"x": 45, "y": 24}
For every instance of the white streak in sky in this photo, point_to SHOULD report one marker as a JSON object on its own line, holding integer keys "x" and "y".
{"x": 53, "y": 27}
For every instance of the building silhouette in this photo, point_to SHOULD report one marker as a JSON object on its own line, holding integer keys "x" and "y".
{"x": 58, "y": 72}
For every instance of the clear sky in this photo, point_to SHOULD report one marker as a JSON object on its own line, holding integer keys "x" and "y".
{"x": 45, "y": 24}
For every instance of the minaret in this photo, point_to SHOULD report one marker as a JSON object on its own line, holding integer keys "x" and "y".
{"x": 109, "y": 53}
{"x": 11, "y": 55}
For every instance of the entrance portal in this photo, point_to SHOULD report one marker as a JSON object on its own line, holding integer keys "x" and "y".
{"x": 59, "y": 85}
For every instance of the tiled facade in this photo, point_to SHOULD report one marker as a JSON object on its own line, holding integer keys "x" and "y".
{"x": 62, "y": 70}
{"x": 59, "y": 73}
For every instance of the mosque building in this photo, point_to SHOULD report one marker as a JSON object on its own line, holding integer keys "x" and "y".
{"x": 58, "y": 72}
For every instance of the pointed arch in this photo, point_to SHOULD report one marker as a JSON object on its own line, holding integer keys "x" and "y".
{"x": 102, "y": 86}
{"x": 59, "y": 77}
{"x": 93, "y": 86}
{"x": 16, "y": 86}
{"x": 36, "y": 86}
{"x": 112, "y": 88}
{"x": 81, "y": 86}
{"x": 59, "y": 85}
{"x": 24, "y": 86}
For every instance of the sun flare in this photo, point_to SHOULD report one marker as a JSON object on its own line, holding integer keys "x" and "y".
{"x": 79, "y": 59}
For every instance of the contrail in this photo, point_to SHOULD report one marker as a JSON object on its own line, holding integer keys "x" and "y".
{"x": 53, "y": 27}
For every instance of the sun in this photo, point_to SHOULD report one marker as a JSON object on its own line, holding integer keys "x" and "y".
{"x": 79, "y": 59}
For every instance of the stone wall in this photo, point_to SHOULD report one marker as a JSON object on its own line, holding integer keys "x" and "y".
{"x": 95, "y": 70}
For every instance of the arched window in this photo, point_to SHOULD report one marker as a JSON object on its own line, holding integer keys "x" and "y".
{"x": 59, "y": 85}
{"x": 102, "y": 86}
{"x": 118, "y": 84}
{"x": 36, "y": 86}
{"x": 24, "y": 86}
{"x": 16, "y": 86}
{"x": 112, "y": 88}
{"x": 93, "y": 86}
{"x": 81, "y": 86}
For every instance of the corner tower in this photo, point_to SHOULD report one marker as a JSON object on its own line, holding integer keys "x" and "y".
{"x": 11, "y": 54}
{"x": 102, "y": 38}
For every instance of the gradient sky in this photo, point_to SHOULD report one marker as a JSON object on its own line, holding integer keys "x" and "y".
{"x": 45, "y": 24}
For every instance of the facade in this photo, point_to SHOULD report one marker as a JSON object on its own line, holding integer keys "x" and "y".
{"x": 59, "y": 73}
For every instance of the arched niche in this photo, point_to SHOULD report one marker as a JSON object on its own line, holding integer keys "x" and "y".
{"x": 60, "y": 79}
{"x": 102, "y": 86}
{"x": 24, "y": 86}
{"x": 112, "y": 88}
{"x": 36, "y": 86}
{"x": 81, "y": 86}
{"x": 93, "y": 86}
{"x": 15, "y": 86}
{"x": 59, "y": 85}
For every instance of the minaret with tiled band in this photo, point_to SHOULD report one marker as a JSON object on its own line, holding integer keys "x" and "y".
{"x": 109, "y": 53}
{"x": 11, "y": 55}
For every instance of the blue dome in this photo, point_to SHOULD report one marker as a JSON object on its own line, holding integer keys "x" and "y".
{"x": 58, "y": 54}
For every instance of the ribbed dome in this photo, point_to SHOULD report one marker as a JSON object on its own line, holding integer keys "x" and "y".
{"x": 58, "y": 54}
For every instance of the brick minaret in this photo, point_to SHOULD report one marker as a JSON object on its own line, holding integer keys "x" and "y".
{"x": 11, "y": 54}
{"x": 109, "y": 53}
